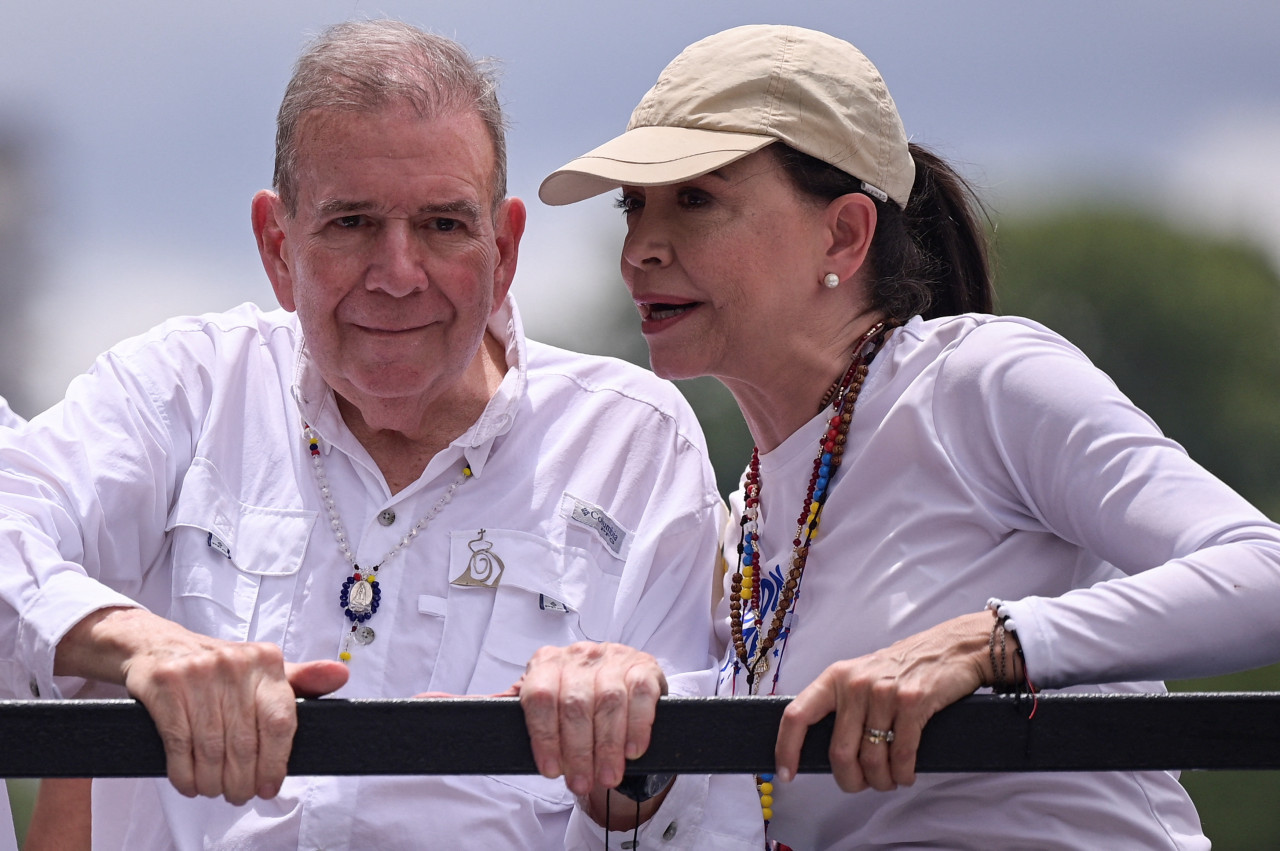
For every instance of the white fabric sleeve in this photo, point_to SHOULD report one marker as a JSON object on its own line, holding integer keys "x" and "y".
{"x": 1048, "y": 440}
{"x": 8, "y": 839}
{"x": 85, "y": 491}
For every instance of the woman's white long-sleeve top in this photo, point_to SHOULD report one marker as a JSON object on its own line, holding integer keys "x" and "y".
{"x": 988, "y": 457}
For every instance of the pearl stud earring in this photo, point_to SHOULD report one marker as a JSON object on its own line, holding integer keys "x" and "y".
{"x": 831, "y": 281}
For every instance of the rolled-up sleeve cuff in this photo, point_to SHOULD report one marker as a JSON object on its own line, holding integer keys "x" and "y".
{"x": 63, "y": 601}
{"x": 1037, "y": 647}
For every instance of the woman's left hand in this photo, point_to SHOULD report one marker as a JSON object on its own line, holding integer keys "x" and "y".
{"x": 883, "y": 700}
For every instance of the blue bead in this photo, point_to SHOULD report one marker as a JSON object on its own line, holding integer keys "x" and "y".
{"x": 826, "y": 457}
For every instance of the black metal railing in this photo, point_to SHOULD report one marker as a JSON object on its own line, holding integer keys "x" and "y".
{"x": 1070, "y": 732}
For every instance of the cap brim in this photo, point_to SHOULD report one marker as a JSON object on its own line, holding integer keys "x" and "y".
{"x": 647, "y": 156}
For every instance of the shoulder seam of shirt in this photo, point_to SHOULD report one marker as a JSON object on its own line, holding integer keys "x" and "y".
{"x": 588, "y": 387}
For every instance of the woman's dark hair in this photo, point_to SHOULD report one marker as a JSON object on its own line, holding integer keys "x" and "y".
{"x": 930, "y": 258}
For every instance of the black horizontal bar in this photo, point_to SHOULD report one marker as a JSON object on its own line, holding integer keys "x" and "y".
{"x": 1069, "y": 732}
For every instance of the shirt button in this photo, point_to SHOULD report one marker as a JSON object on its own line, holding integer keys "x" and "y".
{"x": 670, "y": 833}
{"x": 387, "y": 517}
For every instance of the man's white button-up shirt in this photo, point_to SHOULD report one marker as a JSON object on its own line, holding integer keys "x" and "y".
{"x": 175, "y": 475}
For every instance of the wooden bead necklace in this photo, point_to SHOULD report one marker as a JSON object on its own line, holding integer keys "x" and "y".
{"x": 744, "y": 584}
{"x": 360, "y": 594}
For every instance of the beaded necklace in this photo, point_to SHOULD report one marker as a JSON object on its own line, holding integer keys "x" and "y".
{"x": 360, "y": 594}
{"x": 744, "y": 587}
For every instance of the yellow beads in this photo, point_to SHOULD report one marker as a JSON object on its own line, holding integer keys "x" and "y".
{"x": 764, "y": 787}
{"x": 344, "y": 656}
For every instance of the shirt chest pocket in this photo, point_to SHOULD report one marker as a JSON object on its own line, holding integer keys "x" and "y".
{"x": 235, "y": 565}
{"x": 541, "y": 593}
{"x": 536, "y": 593}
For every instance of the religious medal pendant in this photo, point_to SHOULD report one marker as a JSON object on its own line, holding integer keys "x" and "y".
{"x": 360, "y": 597}
{"x": 360, "y": 594}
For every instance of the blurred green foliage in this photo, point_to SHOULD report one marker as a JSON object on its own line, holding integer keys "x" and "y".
{"x": 22, "y": 797}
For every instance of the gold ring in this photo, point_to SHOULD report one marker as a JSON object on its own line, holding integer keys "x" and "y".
{"x": 879, "y": 737}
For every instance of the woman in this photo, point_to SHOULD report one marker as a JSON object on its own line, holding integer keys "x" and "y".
{"x": 783, "y": 236}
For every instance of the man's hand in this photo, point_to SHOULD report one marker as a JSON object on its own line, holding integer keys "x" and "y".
{"x": 225, "y": 710}
{"x": 589, "y": 708}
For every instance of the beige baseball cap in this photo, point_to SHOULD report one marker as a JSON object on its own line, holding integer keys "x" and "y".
{"x": 736, "y": 92}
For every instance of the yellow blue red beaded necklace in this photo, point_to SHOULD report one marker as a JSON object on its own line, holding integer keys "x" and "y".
{"x": 744, "y": 585}
{"x": 360, "y": 595}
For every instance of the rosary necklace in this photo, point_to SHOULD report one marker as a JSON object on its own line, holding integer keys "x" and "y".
{"x": 744, "y": 585}
{"x": 360, "y": 594}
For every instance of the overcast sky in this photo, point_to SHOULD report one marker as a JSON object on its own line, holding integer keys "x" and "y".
{"x": 149, "y": 125}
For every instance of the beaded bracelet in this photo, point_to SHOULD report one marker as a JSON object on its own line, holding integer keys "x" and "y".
{"x": 1003, "y": 684}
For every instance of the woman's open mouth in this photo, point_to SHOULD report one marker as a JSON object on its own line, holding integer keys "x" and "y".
{"x": 658, "y": 311}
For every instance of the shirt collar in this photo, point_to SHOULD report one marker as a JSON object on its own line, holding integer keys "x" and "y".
{"x": 318, "y": 407}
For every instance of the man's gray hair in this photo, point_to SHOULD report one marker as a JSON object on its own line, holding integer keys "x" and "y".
{"x": 364, "y": 65}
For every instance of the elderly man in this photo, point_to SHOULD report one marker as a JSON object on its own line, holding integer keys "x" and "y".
{"x": 382, "y": 489}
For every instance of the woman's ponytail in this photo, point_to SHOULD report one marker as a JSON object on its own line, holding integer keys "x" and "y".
{"x": 943, "y": 220}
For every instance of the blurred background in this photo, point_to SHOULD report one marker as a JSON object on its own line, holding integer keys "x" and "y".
{"x": 1127, "y": 152}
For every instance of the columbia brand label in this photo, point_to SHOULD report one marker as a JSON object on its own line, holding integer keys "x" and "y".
{"x": 217, "y": 544}
{"x": 613, "y": 534}
{"x": 549, "y": 604}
